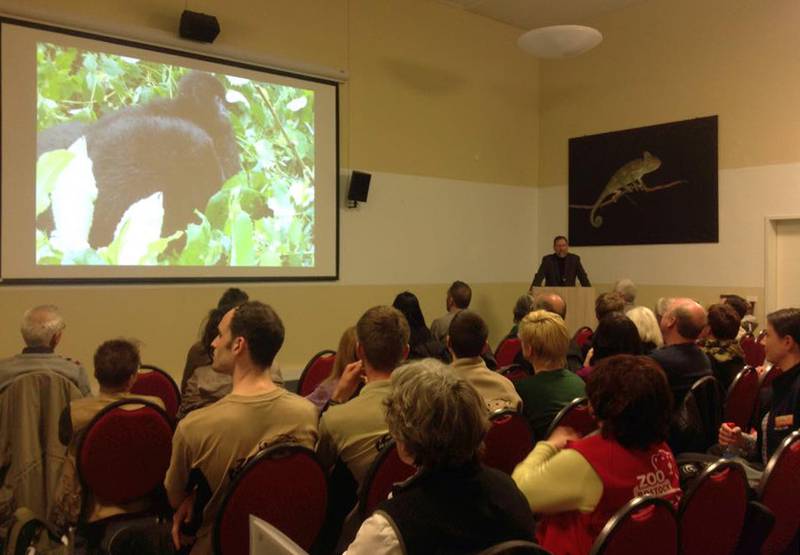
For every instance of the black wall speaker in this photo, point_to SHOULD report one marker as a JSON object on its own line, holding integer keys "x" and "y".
{"x": 359, "y": 187}
{"x": 198, "y": 26}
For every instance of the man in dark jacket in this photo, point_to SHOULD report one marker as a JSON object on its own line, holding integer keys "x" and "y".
{"x": 561, "y": 268}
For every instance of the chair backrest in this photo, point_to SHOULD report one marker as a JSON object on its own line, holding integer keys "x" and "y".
{"x": 515, "y": 547}
{"x": 152, "y": 380}
{"x": 514, "y": 372}
{"x": 703, "y": 409}
{"x": 643, "y": 525}
{"x": 740, "y": 401}
{"x": 712, "y": 512}
{"x": 265, "y": 539}
{"x": 507, "y": 350}
{"x": 387, "y": 469}
{"x": 283, "y": 485}
{"x": 508, "y": 441}
{"x": 317, "y": 369}
{"x": 779, "y": 490}
{"x": 583, "y": 335}
{"x": 754, "y": 352}
{"x": 125, "y": 451}
{"x": 575, "y": 415}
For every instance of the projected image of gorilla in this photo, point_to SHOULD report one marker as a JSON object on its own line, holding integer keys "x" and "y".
{"x": 143, "y": 163}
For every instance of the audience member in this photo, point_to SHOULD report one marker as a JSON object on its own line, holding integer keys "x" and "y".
{"x": 459, "y": 296}
{"x": 116, "y": 364}
{"x": 780, "y": 415}
{"x": 421, "y": 342}
{"x": 523, "y": 306}
{"x": 453, "y": 504}
{"x": 545, "y": 340}
{"x": 682, "y": 360}
{"x": 720, "y": 345}
{"x": 466, "y": 340}
{"x": 578, "y": 484}
{"x": 742, "y": 308}
{"x": 606, "y": 303}
{"x": 351, "y": 430}
{"x": 199, "y": 353}
{"x": 649, "y": 331}
{"x": 662, "y": 304}
{"x": 616, "y": 334}
{"x": 552, "y": 302}
{"x": 213, "y": 443}
{"x": 345, "y": 354}
{"x": 627, "y": 289}
{"x": 42, "y": 328}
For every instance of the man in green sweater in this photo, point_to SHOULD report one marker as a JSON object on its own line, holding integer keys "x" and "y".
{"x": 545, "y": 341}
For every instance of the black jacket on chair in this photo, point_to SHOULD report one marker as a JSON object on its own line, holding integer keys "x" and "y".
{"x": 551, "y": 274}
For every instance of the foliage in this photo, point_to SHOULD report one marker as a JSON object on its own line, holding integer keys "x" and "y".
{"x": 263, "y": 216}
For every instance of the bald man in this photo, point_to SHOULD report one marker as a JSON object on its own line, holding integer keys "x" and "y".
{"x": 682, "y": 360}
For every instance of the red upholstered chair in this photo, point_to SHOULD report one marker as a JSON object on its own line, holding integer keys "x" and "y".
{"x": 754, "y": 352}
{"x": 317, "y": 369}
{"x": 283, "y": 485}
{"x": 575, "y": 415}
{"x": 514, "y": 372}
{"x": 740, "y": 401}
{"x": 386, "y": 470}
{"x": 712, "y": 513}
{"x": 779, "y": 491}
{"x": 583, "y": 335}
{"x": 506, "y": 351}
{"x": 644, "y": 525}
{"x": 508, "y": 441}
{"x": 125, "y": 451}
{"x": 152, "y": 380}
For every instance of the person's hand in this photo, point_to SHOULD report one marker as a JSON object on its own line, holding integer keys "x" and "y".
{"x": 561, "y": 435}
{"x": 352, "y": 376}
{"x": 730, "y": 434}
{"x": 183, "y": 515}
{"x": 588, "y": 359}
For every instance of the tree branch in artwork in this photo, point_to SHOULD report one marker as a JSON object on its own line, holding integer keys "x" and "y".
{"x": 597, "y": 221}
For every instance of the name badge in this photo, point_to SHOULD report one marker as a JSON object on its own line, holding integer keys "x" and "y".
{"x": 784, "y": 421}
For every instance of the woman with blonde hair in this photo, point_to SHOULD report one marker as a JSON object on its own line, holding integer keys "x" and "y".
{"x": 345, "y": 354}
{"x": 645, "y": 321}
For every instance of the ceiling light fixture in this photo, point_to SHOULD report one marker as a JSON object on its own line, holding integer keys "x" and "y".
{"x": 560, "y": 41}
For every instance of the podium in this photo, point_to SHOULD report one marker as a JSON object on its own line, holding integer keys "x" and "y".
{"x": 580, "y": 305}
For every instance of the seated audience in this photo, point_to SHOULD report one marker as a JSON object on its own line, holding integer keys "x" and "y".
{"x": 350, "y": 429}
{"x": 545, "y": 340}
{"x": 649, "y": 332}
{"x": 453, "y": 504}
{"x": 780, "y": 415}
{"x": 616, "y": 334}
{"x": 466, "y": 340}
{"x": 552, "y": 302}
{"x": 662, "y": 304}
{"x": 458, "y": 298}
{"x": 523, "y": 306}
{"x": 720, "y": 344}
{"x": 681, "y": 359}
{"x": 198, "y": 354}
{"x": 627, "y": 289}
{"x": 578, "y": 484}
{"x": 345, "y": 354}
{"x": 116, "y": 364}
{"x": 421, "y": 342}
{"x": 42, "y": 328}
{"x": 213, "y": 443}
{"x": 742, "y": 307}
{"x": 606, "y": 303}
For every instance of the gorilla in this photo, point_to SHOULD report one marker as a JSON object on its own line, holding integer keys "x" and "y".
{"x": 183, "y": 147}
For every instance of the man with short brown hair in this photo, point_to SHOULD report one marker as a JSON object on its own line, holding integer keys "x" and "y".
{"x": 459, "y": 295}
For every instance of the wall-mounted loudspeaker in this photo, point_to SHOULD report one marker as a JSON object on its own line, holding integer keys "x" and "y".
{"x": 359, "y": 188}
{"x": 198, "y": 26}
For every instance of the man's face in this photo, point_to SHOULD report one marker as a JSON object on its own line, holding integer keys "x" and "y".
{"x": 223, "y": 346}
{"x": 777, "y": 347}
{"x": 561, "y": 248}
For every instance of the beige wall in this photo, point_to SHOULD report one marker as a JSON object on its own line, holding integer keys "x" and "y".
{"x": 668, "y": 60}
{"x": 441, "y": 105}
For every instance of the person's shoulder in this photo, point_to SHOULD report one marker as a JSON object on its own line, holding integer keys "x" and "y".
{"x": 296, "y": 403}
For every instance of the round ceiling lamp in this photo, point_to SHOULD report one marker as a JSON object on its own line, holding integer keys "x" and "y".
{"x": 560, "y": 41}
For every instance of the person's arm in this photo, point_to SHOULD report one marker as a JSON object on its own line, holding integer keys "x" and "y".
{"x": 582, "y": 277}
{"x": 556, "y": 481}
{"x": 326, "y": 447}
{"x": 375, "y": 537}
{"x": 539, "y": 277}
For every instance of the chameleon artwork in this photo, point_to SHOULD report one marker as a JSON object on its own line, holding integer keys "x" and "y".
{"x": 626, "y": 179}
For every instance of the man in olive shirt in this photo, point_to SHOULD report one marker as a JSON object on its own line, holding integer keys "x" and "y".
{"x": 545, "y": 341}
{"x": 213, "y": 443}
{"x": 350, "y": 430}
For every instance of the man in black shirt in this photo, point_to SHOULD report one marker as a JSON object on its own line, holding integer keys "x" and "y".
{"x": 561, "y": 268}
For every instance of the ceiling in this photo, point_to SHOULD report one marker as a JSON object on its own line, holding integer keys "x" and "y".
{"x": 529, "y": 14}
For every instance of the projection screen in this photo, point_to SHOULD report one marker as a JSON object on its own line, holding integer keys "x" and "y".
{"x": 125, "y": 162}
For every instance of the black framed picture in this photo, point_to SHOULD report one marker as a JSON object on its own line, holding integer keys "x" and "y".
{"x": 648, "y": 185}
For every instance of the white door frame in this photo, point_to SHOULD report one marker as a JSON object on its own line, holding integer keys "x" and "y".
{"x": 771, "y": 260}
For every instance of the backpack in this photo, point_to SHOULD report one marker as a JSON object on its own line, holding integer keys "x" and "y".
{"x": 30, "y": 535}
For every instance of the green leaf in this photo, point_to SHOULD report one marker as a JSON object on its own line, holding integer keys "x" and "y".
{"x": 242, "y": 253}
{"x": 217, "y": 208}
{"x": 48, "y": 168}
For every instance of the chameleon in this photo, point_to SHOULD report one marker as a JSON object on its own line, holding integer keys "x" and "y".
{"x": 626, "y": 179}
